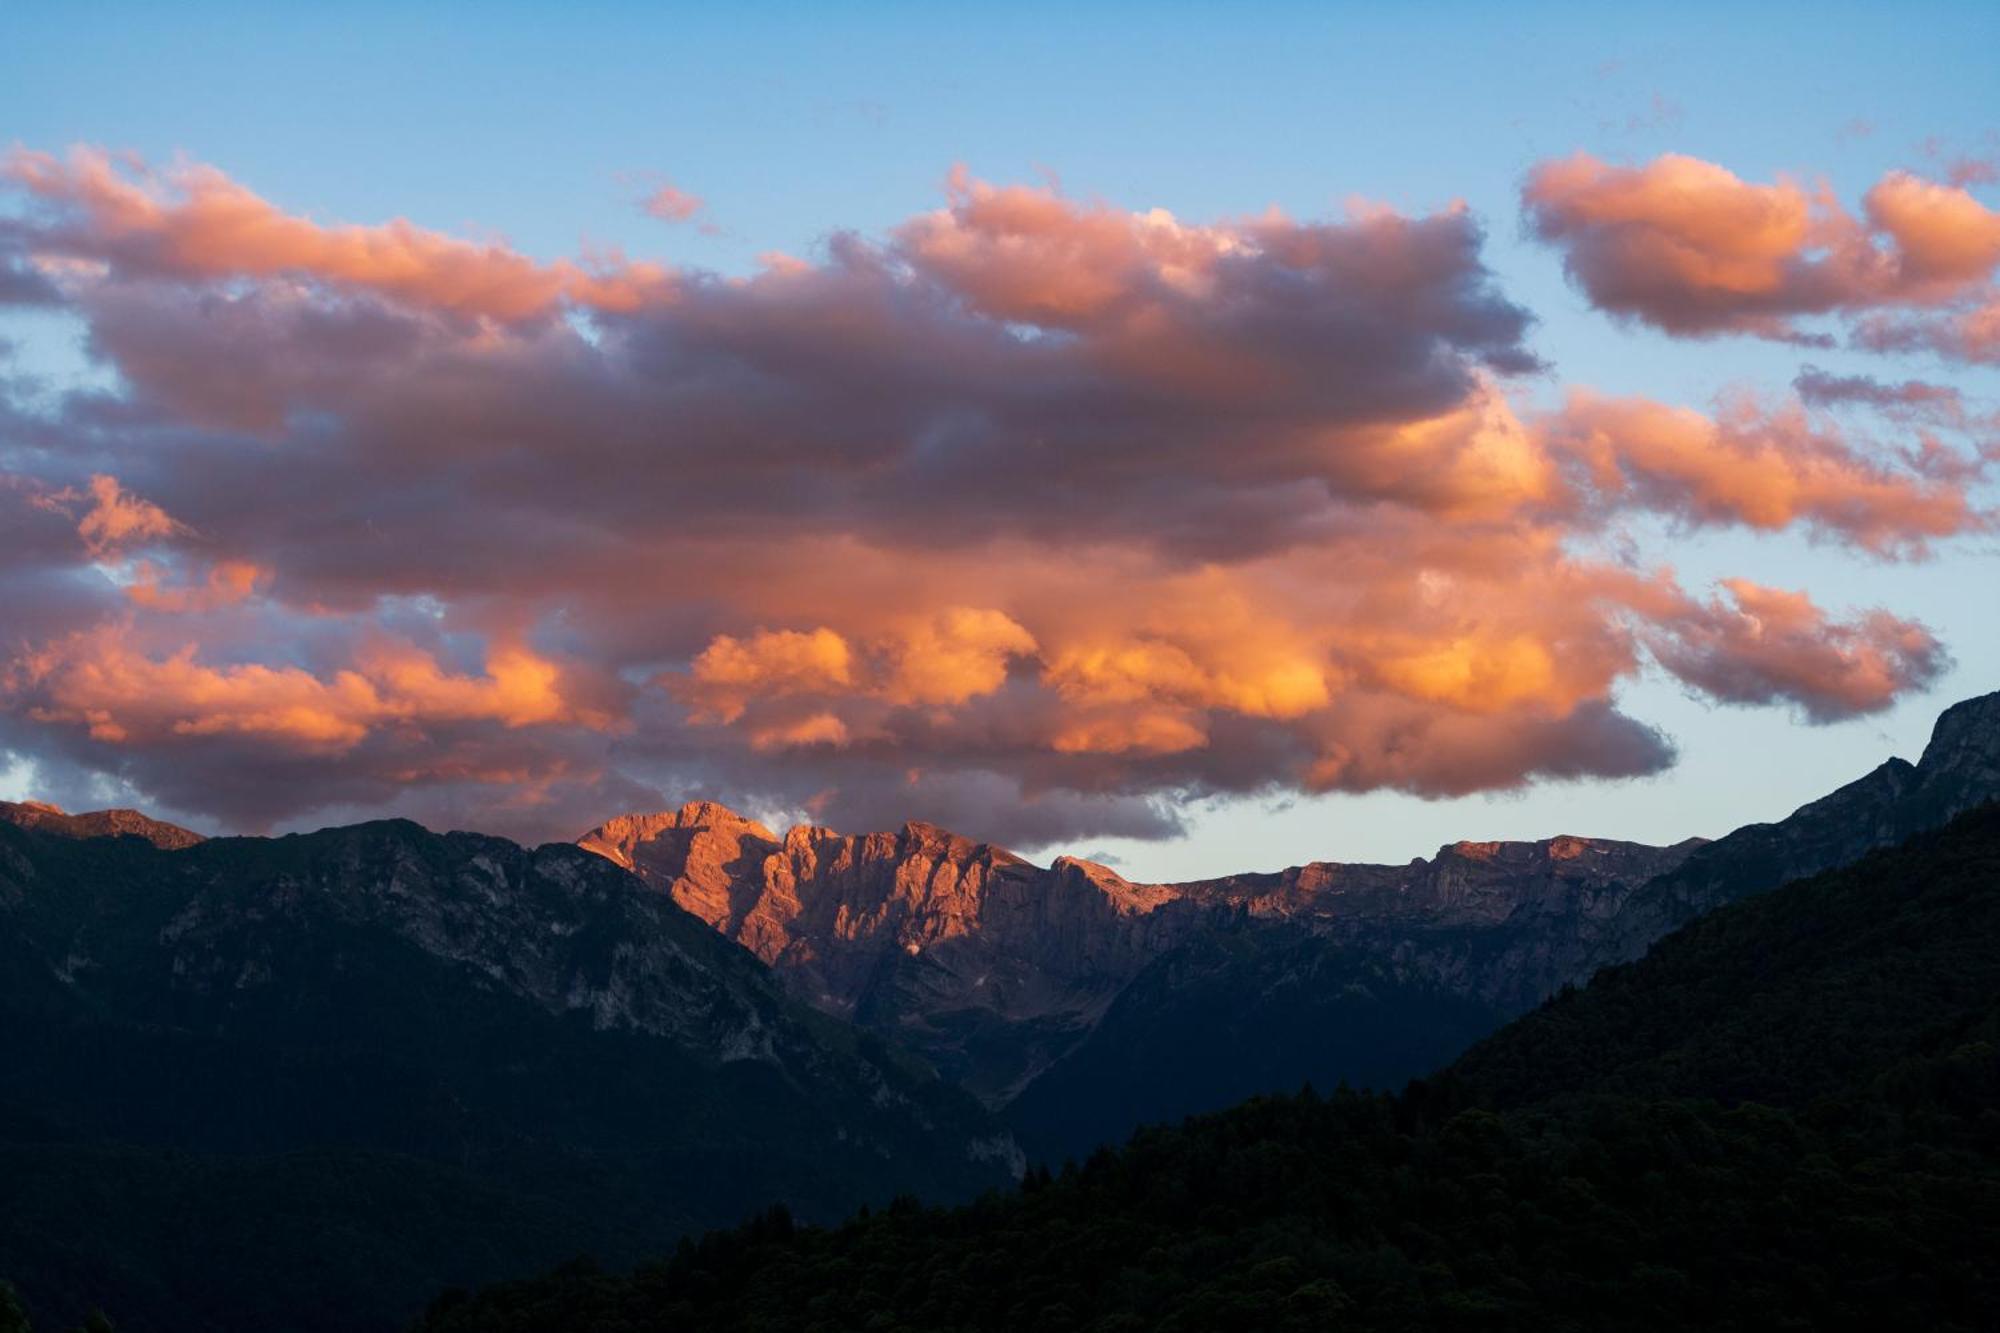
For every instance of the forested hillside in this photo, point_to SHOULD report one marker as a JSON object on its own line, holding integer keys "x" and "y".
{"x": 1787, "y": 1116}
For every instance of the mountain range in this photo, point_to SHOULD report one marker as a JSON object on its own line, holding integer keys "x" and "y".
{"x": 1080, "y": 1005}
{"x": 303, "y": 1082}
{"x": 294, "y": 1082}
{"x": 1782, "y": 1117}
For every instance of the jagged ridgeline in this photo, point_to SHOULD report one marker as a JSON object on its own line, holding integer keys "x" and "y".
{"x": 1081, "y": 1005}
{"x": 306, "y": 1082}
{"x": 301, "y": 1082}
{"x": 1787, "y": 1116}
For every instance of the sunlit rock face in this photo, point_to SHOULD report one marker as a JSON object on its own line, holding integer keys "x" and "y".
{"x": 994, "y": 967}
{"x": 46, "y": 818}
{"x": 1000, "y": 971}
{"x": 989, "y": 965}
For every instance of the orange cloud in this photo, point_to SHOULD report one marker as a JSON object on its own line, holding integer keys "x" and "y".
{"x": 813, "y": 729}
{"x": 1071, "y": 510}
{"x": 124, "y": 696}
{"x": 1263, "y": 680}
{"x": 116, "y": 519}
{"x": 1767, "y": 644}
{"x": 1480, "y": 674}
{"x": 1762, "y": 470}
{"x": 730, "y": 671}
{"x": 1681, "y": 241}
{"x": 955, "y": 655}
{"x": 1690, "y": 247}
{"x": 959, "y": 654}
{"x": 1144, "y": 732}
{"x": 1942, "y": 234}
{"x": 194, "y": 222}
{"x": 1019, "y": 253}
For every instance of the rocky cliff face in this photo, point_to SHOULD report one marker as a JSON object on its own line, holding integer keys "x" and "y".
{"x": 999, "y": 971}
{"x": 1486, "y": 920}
{"x": 987, "y": 964}
{"x": 46, "y": 818}
{"x": 995, "y": 968}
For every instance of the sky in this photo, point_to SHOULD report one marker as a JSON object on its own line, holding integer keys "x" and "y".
{"x": 1201, "y": 437}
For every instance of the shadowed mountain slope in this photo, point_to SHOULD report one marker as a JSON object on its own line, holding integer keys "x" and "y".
{"x": 1786, "y": 1116}
{"x": 298, "y": 1082}
{"x": 996, "y": 969}
{"x": 1086, "y": 1004}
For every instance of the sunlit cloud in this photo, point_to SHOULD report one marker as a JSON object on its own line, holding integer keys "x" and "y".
{"x": 1030, "y": 515}
{"x": 1689, "y": 247}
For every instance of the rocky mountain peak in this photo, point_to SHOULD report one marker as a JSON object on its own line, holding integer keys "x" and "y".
{"x": 640, "y": 826}
{"x": 1124, "y": 896}
{"x": 45, "y": 817}
{"x": 1563, "y": 847}
{"x": 1965, "y": 743}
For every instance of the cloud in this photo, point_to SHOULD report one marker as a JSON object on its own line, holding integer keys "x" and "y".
{"x": 194, "y": 222}
{"x": 1689, "y": 247}
{"x": 1759, "y": 469}
{"x": 116, "y": 520}
{"x": 101, "y": 680}
{"x": 1818, "y": 388}
{"x": 669, "y": 203}
{"x": 1031, "y": 516}
{"x": 957, "y": 655}
{"x": 730, "y": 672}
{"x": 1766, "y": 645}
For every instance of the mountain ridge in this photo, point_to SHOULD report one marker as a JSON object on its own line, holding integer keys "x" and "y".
{"x": 1782, "y": 1117}
{"x": 1001, "y": 972}
{"x": 48, "y": 818}
{"x": 403, "y": 1022}
{"x": 995, "y": 968}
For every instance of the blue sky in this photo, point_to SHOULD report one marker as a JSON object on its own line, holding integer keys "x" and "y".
{"x": 543, "y": 124}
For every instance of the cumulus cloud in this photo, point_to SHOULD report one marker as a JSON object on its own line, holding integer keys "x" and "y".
{"x": 1760, "y": 469}
{"x": 1032, "y": 516}
{"x": 195, "y": 222}
{"x": 1763, "y": 645}
{"x": 100, "y": 680}
{"x": 1689, "y": 247}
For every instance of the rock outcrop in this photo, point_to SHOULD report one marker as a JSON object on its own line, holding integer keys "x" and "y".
{"x": 994, "y": 968}
{"x": 998, "y": 970}
{"x": 46, "y": 818}
{"x": 987, "y": 964}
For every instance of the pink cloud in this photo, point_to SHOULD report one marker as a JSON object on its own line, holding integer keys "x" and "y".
{"x": 1759, "y": 469}
{"x": 670, "y": 203}
{"x": 1763, "y": 645}
{"x": 116, "y": 520}
{"x": 193, "y": 222}
{"x": 1693, "y": 249}
{"x": 1029, "y": 515}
